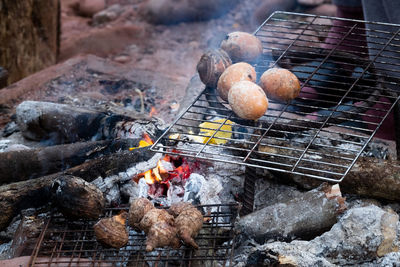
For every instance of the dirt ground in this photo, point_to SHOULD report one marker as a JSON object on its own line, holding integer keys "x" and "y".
{"x": 125, "y": 54}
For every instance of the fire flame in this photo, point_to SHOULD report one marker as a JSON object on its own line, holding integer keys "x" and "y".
{"x": 146, "y": 141}
{"x": 153, "y": 111}
{"x": 168, "y": 168}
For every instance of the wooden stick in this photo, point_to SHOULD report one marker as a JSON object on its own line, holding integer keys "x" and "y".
{"x": 59, "y": 123}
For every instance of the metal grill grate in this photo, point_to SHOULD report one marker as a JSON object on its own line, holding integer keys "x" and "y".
{"x": 72, "y": 243}
{"x": 348, "y": 90}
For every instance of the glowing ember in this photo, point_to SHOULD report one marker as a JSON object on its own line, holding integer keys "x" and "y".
{"x": 169, "y": 169}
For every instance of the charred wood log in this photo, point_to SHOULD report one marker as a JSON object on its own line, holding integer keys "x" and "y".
{"x": 59, "y": 123}
{"x": 369, "y": 177}
{"x": 17, "y": 196}
{"x": 27, "y": 164}
{"x": 305, "y": 217}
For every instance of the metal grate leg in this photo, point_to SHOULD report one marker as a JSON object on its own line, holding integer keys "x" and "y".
{"x": 397, "y": 128}
{"x": 249, "y": 191}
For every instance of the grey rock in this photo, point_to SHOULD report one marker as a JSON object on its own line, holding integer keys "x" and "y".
{"x": 361, "y": 236}
{"x": 390, "y": 260}
{"x": 284, "y": 254}
{"x": 107, "y": 15}
{"x": 168, "y": 12}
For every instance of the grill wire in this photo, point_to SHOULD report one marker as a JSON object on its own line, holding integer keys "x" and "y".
{"x": 72, "y": 243}
{"x": 321, "y": 133}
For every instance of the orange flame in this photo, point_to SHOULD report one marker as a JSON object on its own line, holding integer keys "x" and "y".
{"x": 153, "y": 112}
{"x": 164, "y": 171}
{"x": 146, "y": 141}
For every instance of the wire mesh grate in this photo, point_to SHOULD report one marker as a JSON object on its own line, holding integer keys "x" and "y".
{"x": 348, "y": 89}
{"x": 72, "y": 243}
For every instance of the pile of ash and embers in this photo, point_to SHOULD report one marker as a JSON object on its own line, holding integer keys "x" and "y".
{"x": 90, "y": 165}
{"x": 296, "y": 222}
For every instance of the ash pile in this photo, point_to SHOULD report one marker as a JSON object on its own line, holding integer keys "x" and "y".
{"x": 296, "y": 221}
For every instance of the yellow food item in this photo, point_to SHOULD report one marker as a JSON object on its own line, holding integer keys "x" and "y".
{"x": 211, "y": 127}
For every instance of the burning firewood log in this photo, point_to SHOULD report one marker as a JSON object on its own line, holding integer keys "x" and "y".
{"x": 369, "y": 177}
{"x": 60, "y": 123}
{"x": 296, "y": 218}
{"x": 17, "y": 196}
{"x": 31, "y": 163}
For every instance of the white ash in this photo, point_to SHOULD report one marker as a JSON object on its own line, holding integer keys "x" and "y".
{"x": 193, "y": 187}
{"x": 109, "y": 185}
{"x": 175, "y": 193}
{"x": 209, "y": 152}
{"x": 4, "y": 250}
{"x": 133, "y": 129}
{"x": 143, "y": 188}
{"x": 7, "y": 145}
{"x": 390, "y": 259}
{"x": 113, "y": 196}
{"x": 129, "y": 190}
{"x": 204, "y": 191}
{"x": 4, "y": 144}
{"x": 269, "y": 193}
{"x": 230, "y": 175}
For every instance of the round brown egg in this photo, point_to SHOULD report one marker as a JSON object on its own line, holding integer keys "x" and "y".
{"x": 242, "y": 46}
{"x": 241, "y": 71}
{"x": 211, "y": 65}
{"x": 280, "y": 84}
{"x": 248, "y": 100}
